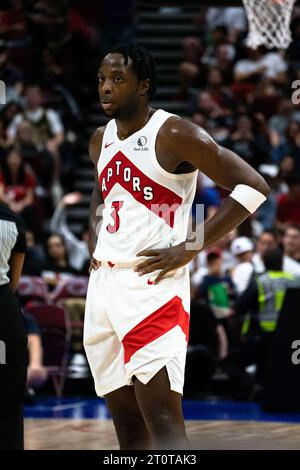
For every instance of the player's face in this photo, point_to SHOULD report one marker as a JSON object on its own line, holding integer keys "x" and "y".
{"x": 119, "y": 88}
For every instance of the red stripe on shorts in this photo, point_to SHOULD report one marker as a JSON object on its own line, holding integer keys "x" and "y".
{"x": 155, "y": 325}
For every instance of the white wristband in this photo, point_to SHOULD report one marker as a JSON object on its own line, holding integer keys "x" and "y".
{"x": 248, "y": 197}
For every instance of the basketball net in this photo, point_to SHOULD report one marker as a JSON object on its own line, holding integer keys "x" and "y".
{"x": 269, "y": 23}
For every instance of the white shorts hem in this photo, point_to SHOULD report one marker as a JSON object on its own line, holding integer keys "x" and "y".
{"x": 101, "y": 391}
{"x": 173, "y": 386}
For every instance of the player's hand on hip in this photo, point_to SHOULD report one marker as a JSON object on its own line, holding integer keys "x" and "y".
{"x": 165, "y": 259}
{"x": 94, "y": 265}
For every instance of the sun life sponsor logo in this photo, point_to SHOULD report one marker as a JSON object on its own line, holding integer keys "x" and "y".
{"x": 141, "y": 144}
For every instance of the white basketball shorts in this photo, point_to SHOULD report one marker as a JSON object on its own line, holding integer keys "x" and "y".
{"x": 134, "y": 327}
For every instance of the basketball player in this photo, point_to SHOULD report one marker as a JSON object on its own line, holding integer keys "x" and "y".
{"x": 137, "y": 310}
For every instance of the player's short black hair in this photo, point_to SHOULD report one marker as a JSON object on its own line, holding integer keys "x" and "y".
{"x": 142, "y": 62}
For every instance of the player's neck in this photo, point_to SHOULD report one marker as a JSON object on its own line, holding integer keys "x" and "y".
{"x": 128, "y": 126}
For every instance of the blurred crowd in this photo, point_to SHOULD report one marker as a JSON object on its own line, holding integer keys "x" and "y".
{"x": 243, "y": 98}
{"x": 48, "y": 56}
{"x": 48, "y": 59}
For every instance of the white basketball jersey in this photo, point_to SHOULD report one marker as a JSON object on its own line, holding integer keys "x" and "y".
{"x": 145, "y": 206}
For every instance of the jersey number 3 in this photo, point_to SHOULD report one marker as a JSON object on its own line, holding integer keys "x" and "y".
{"x": 116, "y": 206}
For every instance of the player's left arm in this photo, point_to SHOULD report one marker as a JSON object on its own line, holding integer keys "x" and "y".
{"x": 186, "y": 142}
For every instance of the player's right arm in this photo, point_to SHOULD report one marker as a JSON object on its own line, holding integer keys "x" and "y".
{"x": 96, "y": 204}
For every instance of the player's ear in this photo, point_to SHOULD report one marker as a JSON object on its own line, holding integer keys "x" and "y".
{"x": 144, "y": 87}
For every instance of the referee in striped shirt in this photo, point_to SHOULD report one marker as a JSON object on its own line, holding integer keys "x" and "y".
{"x": 13, "y": 351}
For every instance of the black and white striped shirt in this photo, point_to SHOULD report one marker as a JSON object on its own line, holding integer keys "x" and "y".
{"x": 12, "y": 238}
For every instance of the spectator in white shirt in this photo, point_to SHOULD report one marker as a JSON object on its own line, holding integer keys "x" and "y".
{"x": 78, "y": 252}
{"x": 242, "y": 248}
{"x": 234, "y": 18}
{"x": 291, "y": 249}
{"x": 257, "y": 65}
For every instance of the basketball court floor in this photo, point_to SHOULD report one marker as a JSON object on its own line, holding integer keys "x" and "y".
{"x": 74, "y": 424}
